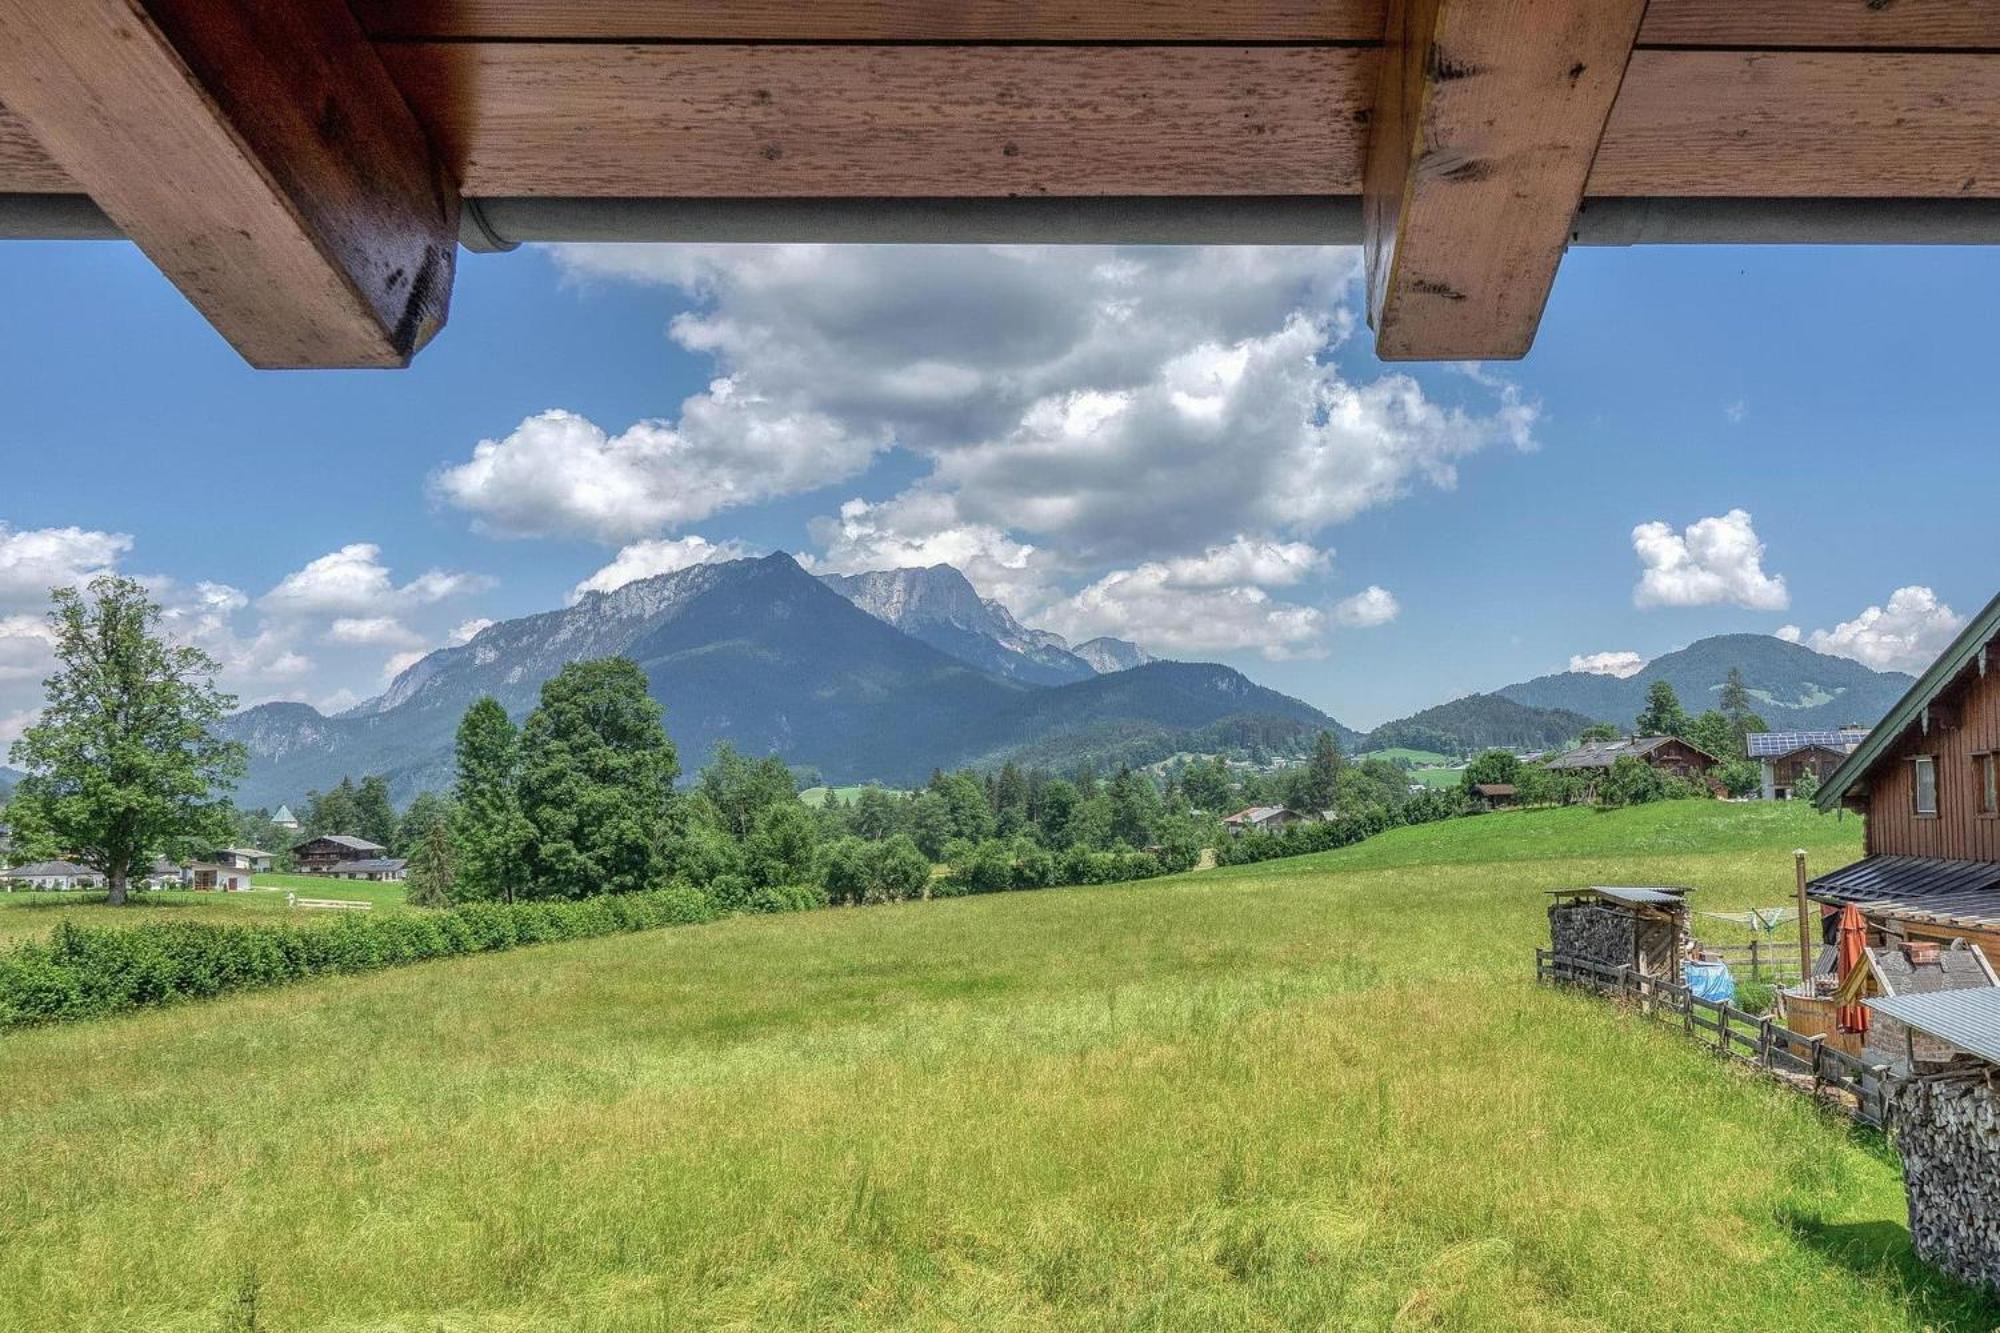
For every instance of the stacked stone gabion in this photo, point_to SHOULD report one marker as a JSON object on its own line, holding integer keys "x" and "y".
{"x": 1948, "y": 1131}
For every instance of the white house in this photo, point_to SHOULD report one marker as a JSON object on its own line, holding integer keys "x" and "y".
{"x": 215, "y": 875}
{"x": 55, "y": 875}
{"x": 1262, "y": 819}
{"x": 243, "y": 858}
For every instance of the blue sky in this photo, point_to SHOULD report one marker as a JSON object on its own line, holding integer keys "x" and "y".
{"x": 1843, "y": 399}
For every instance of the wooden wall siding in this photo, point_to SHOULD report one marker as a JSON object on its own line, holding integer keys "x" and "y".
{"x": 1905, "y": 25}
{"x": 1959, "y": 830}
{"x": 1802, "y": 124}
{"x": 693, "y": 121}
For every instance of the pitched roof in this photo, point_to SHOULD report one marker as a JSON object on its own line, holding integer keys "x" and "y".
{"x": 342, "y": 840}
{"x": 1603, "y": 754}
{"x": 1967, "y": 1019}
{"x": 1647, "y": 895}
{"x": 1929, "y": 890}
{"x": 1774, "y": 744}
{"x": 1966, "y": 650}
{"x": 1958, "y": 966}
{"x": 284, "y": 816}
{"x": 370, "y": 866}
{"x": 1493, "y": 788}
{"x": 50, "y": 870}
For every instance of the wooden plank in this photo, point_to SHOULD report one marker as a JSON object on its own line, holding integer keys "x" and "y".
{"x": 878, "y": 20}
{"x": 1486, "y": 120}
{"x": 1800, "y": 124}
{"x": 25, "y": 166}
{"x": 258, "y": 154}
{"x": 1855, "y": 24}
{"x": 718, "y": 121}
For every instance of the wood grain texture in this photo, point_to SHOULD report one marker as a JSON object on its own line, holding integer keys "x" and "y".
{"x": 705, "y": 121}
{"x": 880, "y": 20}
{"x": 1803, "y": 124}
{"x": 1485, "y": 126}
{"x": 258, "y": 154}
{"x": 25, "y": 166}
{"x": 1855, "y": 24}
{"x": 1833, "y": 24}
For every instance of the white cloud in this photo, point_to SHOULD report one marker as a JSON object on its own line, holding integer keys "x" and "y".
{"x": 353, "y": 581}
{"x": 559, "y": 474}
{"x": 1905, "y": 635}
{"x": 383, "y": 630}
{"x": 469, "y": 630}
{"x": 27, "y": 648}
{"x": 400, "y": 663}
{"x": 13, "y": 724}
{"x": 34, "y": 560}
{"x": 1615, "y": 663}
{"x": 1248, "y": 560}
{"x": 922, "y": 528}
{"x": 1714, "y": 561}
{"x": 646, "y": 559}
{"x": 1146, "y": 605}
{"x": 1366, "y": 609}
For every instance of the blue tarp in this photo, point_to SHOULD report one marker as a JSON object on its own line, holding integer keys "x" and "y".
{"x": 1711, "y": 982}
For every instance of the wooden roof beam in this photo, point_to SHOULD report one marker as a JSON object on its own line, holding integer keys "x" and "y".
{"x": 1486, "y": 123}
{"x": 259, "y": 154}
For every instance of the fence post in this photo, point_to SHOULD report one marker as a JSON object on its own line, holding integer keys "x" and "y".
{"x": 1818, "y": 1067}
{"x": 1756, "y": 963}
{"x": 1764, "y": 1041}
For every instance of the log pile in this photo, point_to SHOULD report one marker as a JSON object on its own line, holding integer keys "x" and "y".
{"x": 1948, "y": 1131}
{"x": 1593, "y": 933}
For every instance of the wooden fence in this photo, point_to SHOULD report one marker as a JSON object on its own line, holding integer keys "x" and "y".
{"x": 1756, "y": 1039}
{"x": 1759, "y": 960}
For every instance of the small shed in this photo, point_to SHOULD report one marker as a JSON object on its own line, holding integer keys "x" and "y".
{"x": 1946, "y": 1122}
{"x": 1643, "y": 927}
{"x": 1913, "y": 967}
{"x": 1494, "y": 795}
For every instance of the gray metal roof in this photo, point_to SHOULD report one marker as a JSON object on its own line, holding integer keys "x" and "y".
{"x": 343, "y": 840}
{"x": 1771, "y": 744}
{"x": 1928, "y": 889}
{"x": 1636, "y": 894}
{"x": 1602, "y": 754}
{"x": 365, "y": 867}
{"x": 1967, "y": 1019}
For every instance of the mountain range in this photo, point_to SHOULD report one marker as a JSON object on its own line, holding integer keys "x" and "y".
{"x": 884, "y": 676}
{"x": 762, "y": 654}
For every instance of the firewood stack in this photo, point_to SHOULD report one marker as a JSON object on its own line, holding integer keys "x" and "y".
{"x": 1592, "y": 933}
{"x": 1948, "y": 1131}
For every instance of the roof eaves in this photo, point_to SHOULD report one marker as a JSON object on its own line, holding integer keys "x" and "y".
{"x": 1963, "y": 652}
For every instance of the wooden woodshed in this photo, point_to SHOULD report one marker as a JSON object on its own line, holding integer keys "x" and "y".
{"x": 1643, "y": 927}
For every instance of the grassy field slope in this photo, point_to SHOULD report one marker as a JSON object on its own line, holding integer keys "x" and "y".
{"x": 27, "y": 914}
{"x": 1318, "y": 1093}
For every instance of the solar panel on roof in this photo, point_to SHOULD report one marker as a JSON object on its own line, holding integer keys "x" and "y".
{"x": 1771, "y": 744}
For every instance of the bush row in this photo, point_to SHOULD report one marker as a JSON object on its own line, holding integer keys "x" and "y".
{"x": 86, "y": 971}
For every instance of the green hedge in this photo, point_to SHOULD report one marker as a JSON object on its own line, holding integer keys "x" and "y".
{"x": 87, "y": 971}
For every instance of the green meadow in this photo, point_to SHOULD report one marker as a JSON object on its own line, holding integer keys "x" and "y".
{"x": 1320, "y": 1093}
{"x": 23, "y": 915}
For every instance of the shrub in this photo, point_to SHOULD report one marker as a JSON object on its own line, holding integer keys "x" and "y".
{"x": 85, "y": 971}
{"x": 787, "y": 898}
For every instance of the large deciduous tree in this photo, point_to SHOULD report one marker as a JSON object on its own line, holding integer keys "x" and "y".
{"x": 489, "y": 833}
{"x": 597, "y": 779}
{"x": 122, "y": 765}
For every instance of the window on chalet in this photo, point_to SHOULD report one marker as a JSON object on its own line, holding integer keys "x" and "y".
{"x": 1986, "y": 767}
{"x": 1926, "y": 784}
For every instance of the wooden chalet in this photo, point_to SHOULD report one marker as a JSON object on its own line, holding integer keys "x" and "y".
{"x": 1669, "y": 754}
{"x": 306, "y": 172}
{"x": 319, "y": 856}
{"x": 1787, "y": 756}
{"x": 1493, "y": 795}
{"x": 1928, "y": 779}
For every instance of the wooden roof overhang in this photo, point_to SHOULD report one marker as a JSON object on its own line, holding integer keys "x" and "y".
{"x": 302, "y": 171}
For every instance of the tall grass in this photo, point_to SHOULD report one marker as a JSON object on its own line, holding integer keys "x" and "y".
{"x": 1307, "y": 1094}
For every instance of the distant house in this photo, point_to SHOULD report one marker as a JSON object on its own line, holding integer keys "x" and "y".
{"x": 1669, "y": 754}
{"x": 1494, "y": 795}
{"x": 285, "y": 819}
{"x": 55, "y": 875}
{"x": 215, "y": 876}
{"x": 318, "y": 856}
{"x": 382, "y": 869}
{"x": 243, "y": 858}
{"x": 1262, "y": 819}
{"x": 1786, "y": 756}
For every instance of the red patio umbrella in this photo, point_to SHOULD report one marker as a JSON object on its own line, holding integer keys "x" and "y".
{"x": 1853, "y": 939}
